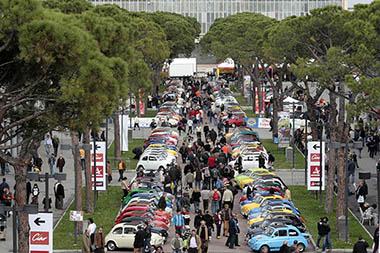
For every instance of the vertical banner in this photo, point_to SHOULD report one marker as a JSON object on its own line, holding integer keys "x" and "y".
{"x": 41, "y": 233}
{"x": 101, "y": 168}
{"x": 314, "y": 165}
{"x": 124, "y": 123}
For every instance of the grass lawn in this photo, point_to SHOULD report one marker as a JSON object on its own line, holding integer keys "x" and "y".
{"x": 250, "y": 114}
{"x": 108, "y": 205}
{"x": 308, "y": 205}
{"x": 241, "y": 99}
{"x": 127, "y": 156}
{"x": 279, "y": 155}
{"x": 148, "y": 114}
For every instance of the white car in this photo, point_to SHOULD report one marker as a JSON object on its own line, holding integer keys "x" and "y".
{"x": 154, "y": 161}
{"x": 251, "y": 160}
{"x": 123, "y": 236}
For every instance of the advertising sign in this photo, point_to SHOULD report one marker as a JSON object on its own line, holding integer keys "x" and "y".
{"x": 76, "y": 216}
{"x": 41, "y": 233}
{"x": 252, "y": 122}
{"x": 264, "y": 123}
{"x": 100, "y": 171}
{"x": 284, "y": 133}
{"x": 314, "y": 167}
{"x": 124, "y": 125}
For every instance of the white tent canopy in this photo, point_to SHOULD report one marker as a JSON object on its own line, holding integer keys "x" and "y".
{"x": 227, "y": 64}
{"x": 290, "y": 100}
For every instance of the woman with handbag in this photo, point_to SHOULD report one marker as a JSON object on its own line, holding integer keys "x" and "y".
{"x": 361, "y": 193}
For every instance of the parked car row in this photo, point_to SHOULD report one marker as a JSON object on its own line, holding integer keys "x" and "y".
{"x": 160, "y": 149}
{"x": 246, "y": 145}
{"x": 168, "y": 115}
{"x": 140, "y": 207}
{"x": 271, "y": 218}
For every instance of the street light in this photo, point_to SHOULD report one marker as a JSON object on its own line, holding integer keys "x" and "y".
{"x": 28, "y": 209}
{"x": 76, "y": 150}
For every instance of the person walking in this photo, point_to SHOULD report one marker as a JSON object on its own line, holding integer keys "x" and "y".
{"x": 196, "y": 199}
{"x": 194, "y": 243}
{"x": 138, "y": 243}
{"x": 86, "y": 242}
{"x": 360, "y": 246}
{"x": 48, "y": 144}
{"x": 35, "y": 193}
{"x": 204, "y": 236}
{"x": 124, "y": 186}
{"x": 121, "y": 168}
{"x": 205, "y": 194}
{"x": 148, "y": 237}
{"x": 177, "y": 243}
{"x": 60, "y": 163}
{"x": 189, "y": 179}
{"x": 51, "y": 162}
{"x": 361, "y": 193}
{"x": 218, "y": 220}
{"x": 91, "y": 228}
{"x": 178, "y": 222}
{"x": 228, "y": 197}
{"x": 99, "y": 241}
{"x": 288, "y": 195}
{"x": 226, "y": 219}
{"x": 137, "y": 123}
{"x": 109, "y": 172}
{"x": 162, "y": 202}
{"x": 55, "y": 141}
{"x": 232, "y": 230}
{"x": 284, "y": 248}
{"x": 59, "y": 192}
{"x": 376, "y": 239}
{"x": 216, "y": 196}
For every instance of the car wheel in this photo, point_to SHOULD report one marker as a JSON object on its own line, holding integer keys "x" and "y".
{"x": 111, "y": 246}
{"x": 233, "y": 125}
{"x": 301, "y": 247}
{"x": 264, "y": 249}
{"x": 140, "y": 168}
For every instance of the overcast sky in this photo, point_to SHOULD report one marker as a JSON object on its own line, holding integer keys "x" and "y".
{"x": 351, "y": 3}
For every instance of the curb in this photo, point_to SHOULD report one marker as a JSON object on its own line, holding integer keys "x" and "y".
{"x": 67, "y": 251}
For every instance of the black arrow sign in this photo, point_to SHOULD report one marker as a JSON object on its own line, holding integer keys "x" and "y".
{"x": 37, "y": 221}
{"x": 316, "y": 147}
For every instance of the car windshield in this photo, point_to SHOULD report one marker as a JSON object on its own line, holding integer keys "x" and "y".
{"x": 257, "y": 199}
{"x": 268, "y": 231}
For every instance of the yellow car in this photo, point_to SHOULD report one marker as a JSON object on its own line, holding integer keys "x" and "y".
{"x": 263, "y": 217}
{"x": 245, "y": 181}
{"x": 257, "y": 201}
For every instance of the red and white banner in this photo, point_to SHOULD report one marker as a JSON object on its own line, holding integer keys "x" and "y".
{"x": 264, "y": 123}
{"x": 314, "y": 170}
{"x": 101, "y": 171}
{"x": 41, "y": 233}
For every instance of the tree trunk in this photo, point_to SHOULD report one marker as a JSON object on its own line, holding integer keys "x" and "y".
{"x": 260, "y": 97}
{"x": 342, "y": 135}
{"x": 332, "y": 162}
{"x": 87, "y": 175}
{"x": 276, "y": 107}
{"x": 310, "y": 103}
{"x": 20, "y": 195}
{"x": 138, "y": 112}
{"x": 117, "y": 151}
{"x": 75, "y": 142}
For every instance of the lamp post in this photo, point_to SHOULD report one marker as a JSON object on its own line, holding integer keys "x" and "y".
{"x": 29, "y": 209}
{"x": 76, "y": 154}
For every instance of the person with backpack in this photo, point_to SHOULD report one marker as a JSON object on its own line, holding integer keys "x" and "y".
{"x": 218, "y": 220}
{"x": 216, "y": 196}
{"x": 214, "y": 177}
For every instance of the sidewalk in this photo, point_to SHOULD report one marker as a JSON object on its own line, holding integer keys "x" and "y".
{"x": 366, "y": 164}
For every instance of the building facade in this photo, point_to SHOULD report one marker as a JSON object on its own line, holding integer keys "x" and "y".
{"x": 206, "y": 11}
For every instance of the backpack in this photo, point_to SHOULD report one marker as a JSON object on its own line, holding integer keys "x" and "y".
{"x": 207, "y": 172}
{"x": 215, "y": 196}
{"x": 218, "y": 184}
{"x": 215, "y": 173}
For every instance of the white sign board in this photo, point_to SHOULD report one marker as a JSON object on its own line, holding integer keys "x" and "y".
{"x": 76, "y": 216}
{"x": 313, "y": 165}
{"x": 124, "y": 125}
{"x": 41, "y": 233}
{"x": 101, "y": 168}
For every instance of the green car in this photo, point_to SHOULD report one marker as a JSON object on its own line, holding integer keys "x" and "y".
{"x": 133, "y": 192}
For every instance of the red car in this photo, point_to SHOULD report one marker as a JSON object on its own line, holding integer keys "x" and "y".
{"x": 235, "y": 121}
{"x": 142, "y": 213}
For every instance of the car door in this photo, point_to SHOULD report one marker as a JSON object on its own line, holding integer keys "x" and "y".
{"x": 293, "y": 236}
{"x": 278, "y": 239}
{"x": 152, "y": 162}
{"x": 128, "y": 237}
{"x": 117, "y": 236}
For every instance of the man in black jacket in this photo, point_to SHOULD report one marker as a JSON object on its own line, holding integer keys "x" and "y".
{"x": 138, "y": 244}
{"x": 162, "y": 202}
{"x": 284, "y": 248}
{"x": 361, "y": 246}
{"x": 148, "y": 236}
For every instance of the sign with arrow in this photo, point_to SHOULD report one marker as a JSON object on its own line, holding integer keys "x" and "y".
{"x": 41, "y": 232}
{"x": 101, "y": 167}
{"x": 316, "y": 158}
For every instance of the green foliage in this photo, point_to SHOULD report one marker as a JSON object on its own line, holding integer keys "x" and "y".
{"x": 68, "y": 6}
